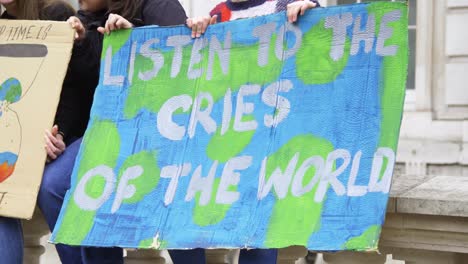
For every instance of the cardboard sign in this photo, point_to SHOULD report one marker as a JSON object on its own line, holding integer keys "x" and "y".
{"x": 260, "y": 134}
{"x": 33, "y": 62}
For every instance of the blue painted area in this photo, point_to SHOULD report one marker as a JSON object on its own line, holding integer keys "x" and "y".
{"x": 8, "y": 157}
{"x": 345, "y": 112}
{"x": 7, "y": 87}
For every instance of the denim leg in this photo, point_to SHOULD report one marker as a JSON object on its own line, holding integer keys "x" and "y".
{"x": 55, "y": 184}
{"x": 189, "y": 256}
{"x": 11, "y": 240}
{"x": 258, "y": 256}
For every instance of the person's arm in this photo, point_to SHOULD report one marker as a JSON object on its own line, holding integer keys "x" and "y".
{"x": 56, "y": 137}
{"x": 66, "y": 114}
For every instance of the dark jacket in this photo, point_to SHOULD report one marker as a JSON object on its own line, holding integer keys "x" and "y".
{"x": 83, "y": 74}
{"x": 81, "y": 79}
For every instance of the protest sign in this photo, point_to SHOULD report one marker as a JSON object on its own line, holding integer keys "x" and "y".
{"x": 260, "y": 134}
{"x": 33, "y": 62}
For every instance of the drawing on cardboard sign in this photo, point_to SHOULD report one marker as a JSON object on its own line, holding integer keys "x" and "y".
{"x": 11, "y": 91}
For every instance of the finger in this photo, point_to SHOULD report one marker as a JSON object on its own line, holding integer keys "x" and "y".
{"x": 294, "y": 15}
{"x": 101, "y": 30}
{"x": 50, "y": 137}
{"x": 214, "y": 19}
{"x": 289, "y": 13}
{"x": 81, "y": 35}
{"x": 194, "y": 30}
{"x": 112, "y": 20}
{"x": 189, "y": 22}
{"x": 204, "y": 25}
{"x": 107, "y": 26}
{"x": 55, "y": 130}
{"x": 123, "y": 23}
{"x": 50, "y": 153}
{"x": 58, "y": 152}
{"x": 191, "y": 25}
{"x": 72, "y": 20}
{"x": 50, "y": 145}
{"x": 119, "y": 24}
{"x": 127, "y": 23}
{"x": 56, "y": 141}
{"x": 199, "y": 28}
{"x": 61, "y": 145}
{"x": 303, "y": 9}
{"x": 80, "y": 27}
{"x": 51, "y": 134}
{"x": 74, "y": 25}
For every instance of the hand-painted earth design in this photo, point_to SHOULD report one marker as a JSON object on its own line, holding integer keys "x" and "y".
{"x": 10, "y": 130}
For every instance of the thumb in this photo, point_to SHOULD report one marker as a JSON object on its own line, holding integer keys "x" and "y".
{"x": 55, "y": 130}
{"x": 101, "y": 30}
{"x": 189, "y": 22}
{"x": 214, "y": 19}
{"x": 303, "y": 10}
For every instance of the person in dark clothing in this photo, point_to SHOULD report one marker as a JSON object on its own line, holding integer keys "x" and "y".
{"x": 77, "y": 96}
{"x": 73, "y": 115}
{"x": 82, "y": 77}
{"x": 11, "y": 233}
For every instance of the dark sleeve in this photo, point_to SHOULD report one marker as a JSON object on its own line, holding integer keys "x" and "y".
{"x": 57, "y": 11}
{"x": 67, "y": 114}
{"x": 79, "y": 85}
{"x": 163, "y": 13}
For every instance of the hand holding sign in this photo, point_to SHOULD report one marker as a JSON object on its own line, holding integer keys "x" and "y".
{"x": 54, "y": 143}
{"x": 115, "y": 22}
{"x": 200, "y": 24}
{"x": 80, "y": 30}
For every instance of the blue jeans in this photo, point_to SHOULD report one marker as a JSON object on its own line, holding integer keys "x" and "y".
{"x": 55, "y": 184}
{"x": 252, "y": 256}
{"x": 11, "y": 241}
